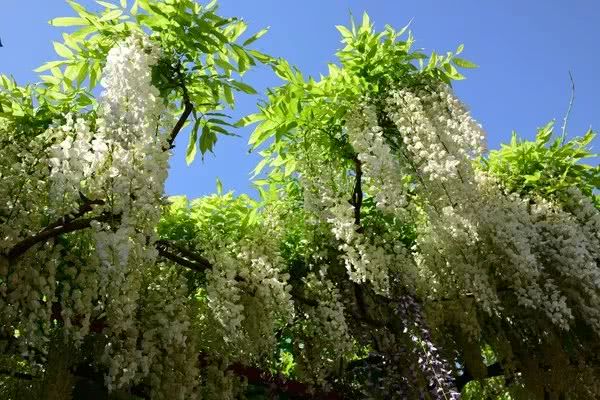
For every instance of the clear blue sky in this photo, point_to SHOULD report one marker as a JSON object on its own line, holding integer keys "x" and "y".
{"x": 524, "y": 48}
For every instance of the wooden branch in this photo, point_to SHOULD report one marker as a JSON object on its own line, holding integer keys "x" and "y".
{"x": 54, "y": 230}
{"x": 84, "y": 208}
{"x": 188, "y": 108}
{"x": 493, "y": 370}
{"x": 300, "y": 298}
{"x": 357, "y": 195}
{"x": 169, "y": 250}
{"x": 182, "y": 256}
{"x": 16, "y": 375}
{"x": 292, "y": 388}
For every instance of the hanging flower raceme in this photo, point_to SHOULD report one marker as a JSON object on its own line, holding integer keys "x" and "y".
{"x": 381, "y": 168}
{"x": 120, "y": 161}
{"x": 325, "y": 332}
{"x": 479, "y": 240}
{"x": 129, "y": 117}
{"x": 249, "y": 295}
{"x": 439, "y": 134}
{"x": 365, "y": 259}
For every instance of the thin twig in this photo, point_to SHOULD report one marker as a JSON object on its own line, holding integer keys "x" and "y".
{"x": 566, "y": 119}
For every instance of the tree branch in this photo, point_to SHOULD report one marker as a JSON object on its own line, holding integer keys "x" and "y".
{"x": 292, "y": 388}
{"x": 55, "y": 229}
{"x": 493, "y": 370}
{"x": 357, "y": 195}
{"x": 16, "y": 375}
{"x": 182, "y": 256}
{"x": 188, "y": 108}
{"x": 84, "y": 208}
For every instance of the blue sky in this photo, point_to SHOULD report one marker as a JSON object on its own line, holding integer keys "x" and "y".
{"x": 525, "y": 50}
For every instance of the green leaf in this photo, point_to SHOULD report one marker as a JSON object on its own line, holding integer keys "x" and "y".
{"x": 114, "y": 14}
{"x": 432, "y": 60}
{"x": 588, "y": 137}
{"x": 207, "y": 139}
{"x": 533, "y": 178}
{"x": 544, "y": 133}
{"x": 134, "y": 8}
{"x": 225, "y": 65}
{"x": 222, "y": 130}
{"x": 453, "y": 72}
{"x": 71, "y": 72}
{"x": 52, "y": 80}
{"x": 461, "y": 62}
{"x": 513, "y": 139}
{"x": 57, "y": 72}
{"x": 82, "y": 73}
{"x": 95, "y": 72}
{"x": 78, "y": 8}
{"x": 366, "y": 23}
{"x": 70, "y": 42}
{"x": 219, "y": 187}
{"x": 17, "y": 110}
{"x": 228, "y": 95}
{"x": 190, "y": 152}
{"x": 256, "y": 36}
{"x": 244, "y": 87}
{"x": 218, "y": 121}
{"x": 345, "y": 32}
{"x": 107, "y": 5}
{"x": 153, "y": 21}
{"x": 249, "y": 120}
{"x": 263, "y": 58}
{"x": 62, "y": 50}
{"x": 68, "y": 21}
{"x": 242, "y": 59}
{"x": 290, "y": 167}
{"x": 235, "y": 30}
{"x": 260, "y": 166}
{"x": 49, "y": 65}
{"x": 262, "y": 132}
{"x": 83, "y": 33}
